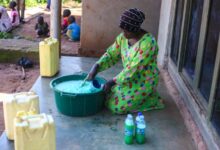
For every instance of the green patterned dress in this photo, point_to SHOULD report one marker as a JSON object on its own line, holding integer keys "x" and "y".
{"x": 135, "y": 88}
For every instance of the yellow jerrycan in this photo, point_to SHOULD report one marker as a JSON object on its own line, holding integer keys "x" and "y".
{"x": 13, "y": 103}
{"x": 34, "y": 132}
{"x": 49, "y": 57}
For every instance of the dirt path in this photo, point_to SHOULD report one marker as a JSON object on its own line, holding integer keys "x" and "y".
{"x": 11, "y": 81}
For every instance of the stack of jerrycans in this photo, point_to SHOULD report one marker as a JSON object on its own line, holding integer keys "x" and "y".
{"x": 49, "y": 57}
{"x": 23, "y": 124}
{"x": 13, "y": 103}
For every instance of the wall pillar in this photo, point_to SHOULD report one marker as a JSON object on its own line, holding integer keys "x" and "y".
{"x": 55, "y": 21}
{"x": 164, "y": 34}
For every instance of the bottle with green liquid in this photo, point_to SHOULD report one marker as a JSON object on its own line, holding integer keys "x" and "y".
{"x": 140, "y": 129}
{"x": 129, "y": 129}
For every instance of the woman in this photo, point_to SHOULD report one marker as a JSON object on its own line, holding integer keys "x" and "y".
{"x": 5, "y": 22}
{"x": 134, "y": 88}
{"x": 48, "y": 4}
{"x": 21, "y": 9}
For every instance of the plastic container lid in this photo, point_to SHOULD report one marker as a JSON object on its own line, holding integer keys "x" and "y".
{"x": 129, "y": 116}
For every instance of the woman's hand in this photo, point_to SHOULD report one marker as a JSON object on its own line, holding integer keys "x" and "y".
{"x": 108, "y": 85}
{"x": 93, "y": 72}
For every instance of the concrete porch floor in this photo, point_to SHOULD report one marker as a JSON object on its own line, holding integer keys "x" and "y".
{"x": 103, "y": 131}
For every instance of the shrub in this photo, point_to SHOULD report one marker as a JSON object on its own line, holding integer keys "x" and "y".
{"x": 29, "y": 3}
{"x": 5, "y": 35}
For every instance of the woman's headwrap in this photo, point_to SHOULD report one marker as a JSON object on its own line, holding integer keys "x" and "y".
{"x": 132, "y": 19}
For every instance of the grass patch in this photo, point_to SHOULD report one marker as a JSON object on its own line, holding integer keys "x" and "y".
{"x": 5, "y": 35}
{"x": 72, "y": 3}
{"x": 29, "y": 3}
{"x": 10, "y": 56}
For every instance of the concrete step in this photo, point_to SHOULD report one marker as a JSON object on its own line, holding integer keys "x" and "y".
{"x": 13, "y": 49}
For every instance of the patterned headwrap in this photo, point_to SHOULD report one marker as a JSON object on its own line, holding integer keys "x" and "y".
{"x": 132, "y": 19}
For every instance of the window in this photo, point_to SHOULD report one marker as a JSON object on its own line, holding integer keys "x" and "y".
{"x": 177, "y": 31}
{"x": 216, "y": 110}
{"x": 193, "y": 37}
{"x": 196, "y": 54}
{"x": 210, "y": 49}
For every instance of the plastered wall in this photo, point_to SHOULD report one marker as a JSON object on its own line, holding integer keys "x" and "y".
{"x": 100, "y": 20}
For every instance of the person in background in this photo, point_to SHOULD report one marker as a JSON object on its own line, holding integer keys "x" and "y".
{"x": 73, "y": 30}
{"x": 135, "y": 87}
{"x": 65, "y": 23}
{"x": 14, "y": 16}
{"x": 21, "y": 9}
{"x": 41, "y": 28}
{"x": 48, "y": 4}
{"x": 5, "y": 22}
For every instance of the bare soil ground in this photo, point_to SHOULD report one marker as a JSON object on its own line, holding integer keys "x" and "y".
{"x": 11, "y": 78}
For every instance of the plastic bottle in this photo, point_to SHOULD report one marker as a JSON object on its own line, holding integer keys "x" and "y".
{"x": 140, "y": 129}
{"x": 129, "y": 129}
{"x": 137, "y": 119}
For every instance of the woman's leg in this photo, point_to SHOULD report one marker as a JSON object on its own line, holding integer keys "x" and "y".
{"x": 140, "y": 98}
{"x": 40, "y": 32}
{"x": 48, "y": 4}
{"x": 18, "y": 7}
{"x": 22, "y": 11}
{"x": 122, "y": 100}
{"x": 46, "y": 32}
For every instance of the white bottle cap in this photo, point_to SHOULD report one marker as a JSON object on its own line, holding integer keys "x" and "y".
{"x": 129, "y": 116}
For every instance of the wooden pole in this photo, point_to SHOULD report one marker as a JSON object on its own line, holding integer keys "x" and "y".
{"x": 55, "y": 21}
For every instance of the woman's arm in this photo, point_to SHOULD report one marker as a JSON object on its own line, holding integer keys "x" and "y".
{"x": 93, "y": 72}
{"x": 108, "y": 85}
{"x": 112, "y": 56}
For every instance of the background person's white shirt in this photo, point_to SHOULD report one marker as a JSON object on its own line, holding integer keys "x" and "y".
{"x": 5, "y": 22}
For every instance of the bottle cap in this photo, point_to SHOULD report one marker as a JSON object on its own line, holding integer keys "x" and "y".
{"x": 140, "y": 114}
{"x": 129, "y": 116}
